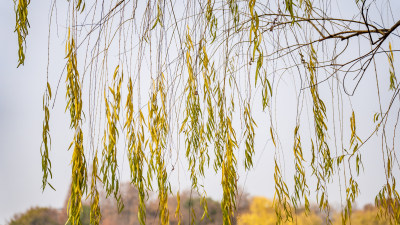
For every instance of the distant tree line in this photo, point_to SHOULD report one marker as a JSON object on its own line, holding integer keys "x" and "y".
{"x": 251, "y": 211}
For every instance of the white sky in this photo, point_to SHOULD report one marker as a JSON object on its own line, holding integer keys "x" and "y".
{"x": 21, "y": 116}
{"x": 21, "y": 92}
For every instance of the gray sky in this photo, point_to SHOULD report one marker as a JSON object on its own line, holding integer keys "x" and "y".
{"x": 21, "y": 116}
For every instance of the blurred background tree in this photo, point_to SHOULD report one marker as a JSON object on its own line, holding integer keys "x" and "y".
{"x": 253, "y": 211}
{"x": 37, "y": 216}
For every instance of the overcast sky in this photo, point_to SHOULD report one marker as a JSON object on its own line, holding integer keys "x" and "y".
{"x": 21, "y": 116}
{"x": 21, "y": 92}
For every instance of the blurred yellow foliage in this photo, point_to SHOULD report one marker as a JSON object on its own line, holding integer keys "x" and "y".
{"x": 367, "y": 216}
{"x": 262, "y": 213}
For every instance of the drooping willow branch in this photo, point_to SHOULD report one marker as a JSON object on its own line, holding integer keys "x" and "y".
{"x": 205, "y": 65}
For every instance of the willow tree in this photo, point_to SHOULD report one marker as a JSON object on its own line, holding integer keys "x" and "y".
{"x": 158, "y": 76}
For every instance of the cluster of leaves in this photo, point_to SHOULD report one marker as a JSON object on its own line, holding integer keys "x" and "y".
{"x": 322, "y": 159}
{"x": 136, "y": 155}
{"x": 46, "y": 139}
{"x": 109, "y": 163}
{"x": 21, "y": 27}
{"x": 74, "y": 105}
{"x": 158, "y": 125}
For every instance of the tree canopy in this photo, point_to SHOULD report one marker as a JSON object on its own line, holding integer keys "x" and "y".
{"x": 157, "y": 77}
